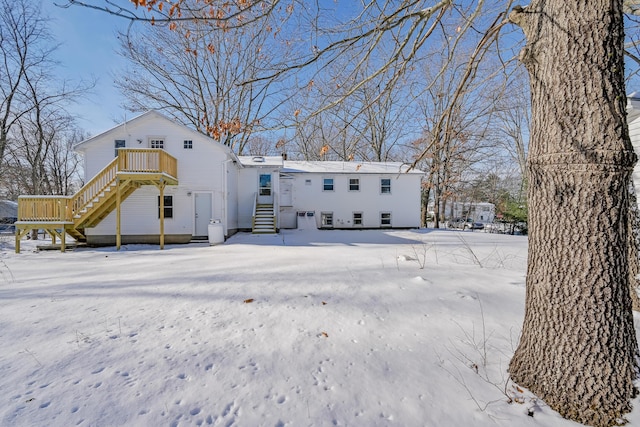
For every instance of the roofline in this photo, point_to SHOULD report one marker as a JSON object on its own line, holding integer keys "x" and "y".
{"x": 158, "y": 113}
{"x": 399, "y": 165}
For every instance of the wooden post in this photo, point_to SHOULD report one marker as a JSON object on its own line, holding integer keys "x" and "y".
{"x": 118, "y": 219}
{"x": 161, "y": 187}
{"x": 18, "y": 237}
{"x": 63, "y": 245}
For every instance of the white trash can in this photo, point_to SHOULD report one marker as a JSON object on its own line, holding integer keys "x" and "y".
{"x": 216, "y": 232}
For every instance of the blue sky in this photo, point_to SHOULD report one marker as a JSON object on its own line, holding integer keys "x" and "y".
{"x": 87, "y": 50}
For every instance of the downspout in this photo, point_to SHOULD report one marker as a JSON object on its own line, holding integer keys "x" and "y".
{"x": 225, "y": 208}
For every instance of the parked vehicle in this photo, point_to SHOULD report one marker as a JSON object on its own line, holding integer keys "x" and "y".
{"x": 463, "y": 224}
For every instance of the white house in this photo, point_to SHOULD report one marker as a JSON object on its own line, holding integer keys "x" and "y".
{"x": 151, "y": 179}
{"x": 206, "y": 171}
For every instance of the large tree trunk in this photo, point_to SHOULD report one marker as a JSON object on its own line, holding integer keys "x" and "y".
{"x": 578, "y": 344}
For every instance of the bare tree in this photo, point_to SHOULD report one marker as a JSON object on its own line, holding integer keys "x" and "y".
{"x": 202, "y": 76}
{"x": 25, "y": 49}
{"x": 511, "y": 124}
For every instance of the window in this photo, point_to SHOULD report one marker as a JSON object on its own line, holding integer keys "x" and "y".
{"x": 265, "y": 184}
{"x": 354, "y": 184}
{"x": 385, "y": 219}
{"x": 157, "y": 143}
{"x": 307, "y": 182}
{"x": 188, "y": 144}
{"x": 120, "y": 143}
{"x": 327, "y": 184}
{"x": 385, "y": 186}
{"x": 357, "y": 218}
{"x": 168, "y": 206}
{"x": 327, "y": 219}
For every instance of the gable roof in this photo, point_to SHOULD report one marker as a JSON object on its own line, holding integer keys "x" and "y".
{"x": 292, "y": 166}
{"x": 155, "y": 114}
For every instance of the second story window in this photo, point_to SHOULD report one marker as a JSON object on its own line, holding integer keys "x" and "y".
{"x": 188, "y": 144}
{"x": 354, "y": 184}
{"x": 327, "y": 184}
{"x": 120, "y": 143}
{"x": 157, "y": 143}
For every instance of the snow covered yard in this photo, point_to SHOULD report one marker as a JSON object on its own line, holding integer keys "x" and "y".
{"x": 305, "y": 328}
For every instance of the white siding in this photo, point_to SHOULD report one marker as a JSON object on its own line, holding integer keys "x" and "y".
{"x": 403, "y": 202}
{"x": 232, "y": 197}
{"x": 200, "y": 169}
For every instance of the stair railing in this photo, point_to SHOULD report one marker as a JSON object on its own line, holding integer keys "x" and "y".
{"x": 67, "y": 208}
{"x": 255, "y": 208}
{"x": 94, "y": 187}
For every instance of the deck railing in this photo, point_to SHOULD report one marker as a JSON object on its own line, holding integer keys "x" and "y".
{"x": 64, "y": 208}
{"x": 44, "y": 209}
{"x": 147, "y": 160}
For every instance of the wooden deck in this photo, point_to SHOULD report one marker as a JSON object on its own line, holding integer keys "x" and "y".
{"x": 62, "y": 215}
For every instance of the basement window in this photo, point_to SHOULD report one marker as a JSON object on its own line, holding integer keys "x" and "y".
{"x": 326, "y": 219}
{"x": 357, "y": 218}
{"x": 385, "y": 219}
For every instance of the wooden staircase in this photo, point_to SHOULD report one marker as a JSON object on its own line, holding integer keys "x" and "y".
{"x": 61, "y": 215}
{"x": 264, "y": 219}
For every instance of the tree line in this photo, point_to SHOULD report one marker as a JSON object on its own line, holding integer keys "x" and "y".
{"x": 37, "y": 132}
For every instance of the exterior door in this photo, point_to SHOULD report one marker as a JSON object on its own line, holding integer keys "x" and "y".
{"x": 202, "y": 213}
{"x": 286, "y": 188}
{"x": 265, "y": 192}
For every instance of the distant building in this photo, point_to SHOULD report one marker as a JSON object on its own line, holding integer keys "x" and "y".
{"x": 482, "y": 212}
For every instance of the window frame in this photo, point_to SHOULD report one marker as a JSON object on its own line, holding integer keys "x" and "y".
{"x": 119, "y": 143}
{"x": 168, "y": 207}
{"x": 357, "y": 222}
{"x": 326, "y": 219}
{"x": 324, "y": 184}
{"x": 187, "y": 144}
{"x": 385, "y": 188}
{"x": 383, "y": 221}
{"x": 356, "y": 184}
{"x": 156, "y": 143}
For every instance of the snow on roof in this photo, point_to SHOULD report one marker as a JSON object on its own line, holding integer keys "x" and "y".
{"x": 291, "y": 166}
{"x": 261, "y": 160}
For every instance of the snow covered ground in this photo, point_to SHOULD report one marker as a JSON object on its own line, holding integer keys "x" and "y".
{"x": 305, "y": 328}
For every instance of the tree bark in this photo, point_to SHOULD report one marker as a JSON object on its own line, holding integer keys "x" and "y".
{"x": 578, "y": 345}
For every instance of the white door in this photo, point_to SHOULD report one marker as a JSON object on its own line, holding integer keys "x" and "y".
{"x": 202, "y": 213}
{"x": 286, "y": 188}
{"x": 265, "y": 192}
